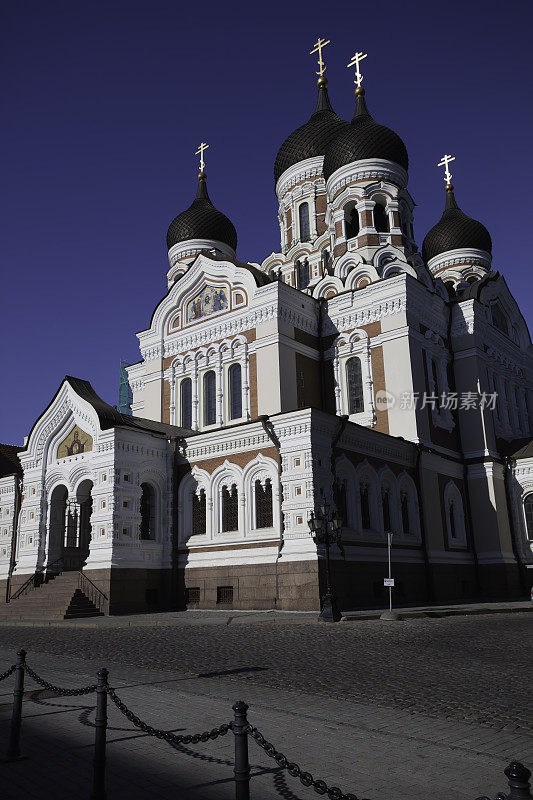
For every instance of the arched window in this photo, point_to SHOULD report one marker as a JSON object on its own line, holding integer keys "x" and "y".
{"x": 235, "y": 391}
{"x": 341, "y": 501}
{"x": 147, "y": 529}
{"x": 451, "y": 512}
{"x": 209, "y": 398}
{"x": 406, "y": 522}
{"x": 381, "y": 222}
{"x": 303, "y": 215}
{"x": 302, "y": 274}
{"x": 230, "y": 509}
{"x": 199, "y": 513}
{"x": 455, "y": 518}
{"x": 264, "y": 517}
{"x": 354, "y": 380}
{"x": 325, "y": 261}
{"x": 186, "y": 403}
{"x": 385, "y": 505}
{"x": 351, "y": 222}
{"x": 365, "y": 506}
{"x": 528, "y": 510}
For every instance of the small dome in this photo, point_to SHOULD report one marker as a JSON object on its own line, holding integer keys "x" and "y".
{"x": 202, "y": 221}
{"x": 363, "y": 138}
{"x": 311, "y": 139}
{"x": 455, "y": 231}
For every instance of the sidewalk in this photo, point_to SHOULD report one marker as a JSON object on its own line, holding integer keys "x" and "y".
{"x": 214, "y": 617}
{"x": 373, "y": 752}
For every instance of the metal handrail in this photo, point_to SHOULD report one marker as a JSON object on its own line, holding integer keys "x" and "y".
{"x": 35, "y": 580}
{"x": 96, "y": 596}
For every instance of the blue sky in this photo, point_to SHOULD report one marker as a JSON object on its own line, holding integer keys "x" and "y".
{"x": 106, "y": 102}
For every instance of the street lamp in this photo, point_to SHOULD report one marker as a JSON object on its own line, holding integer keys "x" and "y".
{"x": 326, "y": 529}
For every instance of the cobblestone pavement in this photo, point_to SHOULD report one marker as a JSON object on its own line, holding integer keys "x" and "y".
{"x": 475, "y": 670}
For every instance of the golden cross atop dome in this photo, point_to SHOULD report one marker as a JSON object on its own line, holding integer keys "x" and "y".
{"x": 319, "y": 44}
{"x": 200, "y": 152}
{"x": 444, "y": 163}
{"x": 356, "y": 59}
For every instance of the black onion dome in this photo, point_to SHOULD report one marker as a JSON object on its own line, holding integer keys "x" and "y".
{"x": 311, "y": 139}
{"x": 202, "y": 221}
{"x": 455, "y": 231}
{"x": 364, "y": 138}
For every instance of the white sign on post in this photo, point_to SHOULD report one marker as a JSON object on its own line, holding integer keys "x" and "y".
{"x": 388, "y": 581}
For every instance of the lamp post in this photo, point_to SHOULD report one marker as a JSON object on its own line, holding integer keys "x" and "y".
{"x": 326, "y": 529}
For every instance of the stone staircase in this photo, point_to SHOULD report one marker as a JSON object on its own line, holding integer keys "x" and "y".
{"x": 59, "y": 598}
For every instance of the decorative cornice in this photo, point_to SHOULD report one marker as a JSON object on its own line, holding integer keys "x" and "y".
{"x": 462, "y": 256}
{"x": 303, "y": 170}
{"x": 366, "y": 169}
{"x": 354, "y": 319}
{"x": 192, "y": 247}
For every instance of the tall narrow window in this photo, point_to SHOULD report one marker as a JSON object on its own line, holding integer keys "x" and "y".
{"x": 325, "y": 261}
{"x": 199, "y": 513}
{"x": 230, "y": 509}
{"x": 147, "y": 528}
{"x": 263, "y": 505}
{"x": 453, "y": 529}
{"x": 354, "y": 380}
{"x": 381, "y": 223}
{"x": 528, "y": 509}
{"x": 365, "y": 506}
{"x": 305, "y": 231}
{"x": 351, "y": 223}
{"x": 385, "y": 504}
{"x": 404, "y": 501}
{"x": 302, "y": 274}
{"x": 210, "y": 414}
{"x": 235, "y": 391}
{"x": 341, "y": 502}
{"x": 186, "y": 403}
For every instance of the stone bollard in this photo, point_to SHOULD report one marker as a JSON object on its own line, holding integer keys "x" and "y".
{"x": 242, "y": 764}
{"x": 99, "y": 790}
{"x": 518, "y": 777}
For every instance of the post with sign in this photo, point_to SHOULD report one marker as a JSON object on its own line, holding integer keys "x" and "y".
{"x": 389, "y": 582}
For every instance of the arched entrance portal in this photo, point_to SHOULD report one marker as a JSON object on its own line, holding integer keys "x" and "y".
{"x": 70, "y": 527}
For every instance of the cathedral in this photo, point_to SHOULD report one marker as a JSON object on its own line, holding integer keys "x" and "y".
{"x": 351, "y": 375}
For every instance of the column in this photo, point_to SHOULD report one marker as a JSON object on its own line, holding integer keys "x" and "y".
{"x": 220, "y": 390}
{"x": 195, "y": 401}
{"x": 173, "y": 397}
{"x": 246, "y": 384}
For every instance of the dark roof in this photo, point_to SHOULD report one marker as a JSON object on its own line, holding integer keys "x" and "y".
{"x": 364, "y": 138}
{"x": 261, "y": 278}
{"x": 109, "y": 417}
{"x": 9, "y": 460}
{"x": 454, "y": 231}
{"x": 473, "y": 291}
{"x": 202, "y": 221}
{"x": 520, "y": 448}
{"x": 312, "y": 138}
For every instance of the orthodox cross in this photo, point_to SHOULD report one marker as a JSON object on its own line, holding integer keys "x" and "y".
{"x": 444, "y": 163}
{"x": 356, "y": 59}
{"x": 318, "y": 49}
{"x": 203, "y": 146}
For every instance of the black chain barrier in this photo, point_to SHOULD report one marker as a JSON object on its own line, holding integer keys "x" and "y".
{"x": 320, "y": 787}
{"x": 518, "y": 776}
{"x": 58, "y": 689}
{"x": 168, "y": 736}
{"x": 8, "y": 672}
